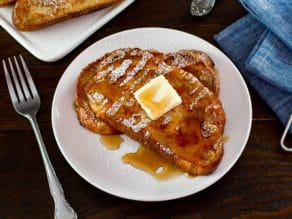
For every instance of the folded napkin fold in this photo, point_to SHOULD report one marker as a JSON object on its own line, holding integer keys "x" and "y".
{"x": 271, "y": 60}
{"x": 260, "y": 45}
{"x": 275, "y": 15}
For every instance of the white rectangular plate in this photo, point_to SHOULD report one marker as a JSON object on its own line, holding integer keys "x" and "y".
{"x": 54, "y": 42}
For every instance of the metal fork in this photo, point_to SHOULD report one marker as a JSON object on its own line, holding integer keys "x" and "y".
{"x": 26, "y": 102}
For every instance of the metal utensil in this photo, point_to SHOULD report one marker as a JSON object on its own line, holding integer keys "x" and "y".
{"x": 201, "y": 7}
{"x": 284, "y": 147}
{"x": 26, "y": 102}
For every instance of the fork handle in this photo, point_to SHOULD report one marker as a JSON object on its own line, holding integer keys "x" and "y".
{"x": 62, "y": 209}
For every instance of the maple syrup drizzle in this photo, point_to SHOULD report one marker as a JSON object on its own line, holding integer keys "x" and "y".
{"x": 225, "y": 138}
{"x": 112, "y": 142}
{"x": 150, "y": 162}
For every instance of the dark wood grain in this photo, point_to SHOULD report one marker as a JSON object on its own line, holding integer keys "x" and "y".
{"x": 258, "y": 186}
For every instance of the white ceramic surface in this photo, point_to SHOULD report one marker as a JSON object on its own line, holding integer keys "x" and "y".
{"x": 54, "y": 42}
{"x": 103, "y": 168}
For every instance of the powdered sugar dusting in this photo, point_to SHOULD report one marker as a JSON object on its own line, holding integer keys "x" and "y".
{"x": 101, "y": 74}
{"x": 131, "y": 102}
{"x": 201, "y": 94}
{"x": 116, "y": 106}
{"x": 147, "y": 135}
{"x": 165, "y": 149}
{"x": 115, "y": 55}
{"x": 50, "y": 7}
{"x": 163, "y": 68}
{"x": 98, "y": 98}
{"x": 133, "y": 85}
{"x": 213, "y": 106}
{"x": 140, "y": 65}
{"x": 51, "y": 2}
{"x": 193, "y": 91}
{"x": 180, "y": 60}
{"x": 206, "y": 75}
{"x": 208, "y": 129}
{"x": 120, "y": 71}
{"x": 218, "y": 144}
{"x": 137, "y": 122}
{"x": 166, "y": 119}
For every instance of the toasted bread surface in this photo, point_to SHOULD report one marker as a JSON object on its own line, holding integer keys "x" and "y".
{"x": 190, "y": 135}
{"x": 195, "y": 62}
{"x": 30, "y": 15}
{"x": 6, "y": 2}
{"x": 86, "y": 116}
{"x": 199, "y": 64}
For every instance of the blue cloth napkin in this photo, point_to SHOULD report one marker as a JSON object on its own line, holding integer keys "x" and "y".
{"x": 263, "y": 59}
{"x": 271, "y": 60}
{"x": 276, "y": 15}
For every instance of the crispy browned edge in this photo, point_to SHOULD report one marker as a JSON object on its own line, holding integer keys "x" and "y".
{"x": 211, "y": 65}
{"x": 25, "y": 19}
{"x": 86, "y": 116}
{"x": 6, "y": 2}
{"x": 208, "y": 62}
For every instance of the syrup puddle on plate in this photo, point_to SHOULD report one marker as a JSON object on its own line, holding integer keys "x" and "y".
{"x": 144, "y": 159}
{"x": 111, "y": 142}
{"x": 150, "y": 162}
{"x": 225, "y": 138}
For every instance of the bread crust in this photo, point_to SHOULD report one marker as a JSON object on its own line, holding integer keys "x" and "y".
{"x": 30, "y": 15}
{"x": 86, "y": 116}
{"x": 199, "y": 64}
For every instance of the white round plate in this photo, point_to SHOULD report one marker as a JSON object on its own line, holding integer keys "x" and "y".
{"x": 104, "y": 168}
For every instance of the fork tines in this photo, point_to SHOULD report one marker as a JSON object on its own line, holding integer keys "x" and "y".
{"x": 20, "y": 85}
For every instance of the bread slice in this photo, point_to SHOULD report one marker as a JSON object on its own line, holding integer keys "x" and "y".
{"x": 190, "y": 135}
{"x": 6, "y": 2}
{"x": 199, "y": 64}
{"x": 86, "y": 116}
{"x": 196, "y": 62}
{"x": 30, "y": 15}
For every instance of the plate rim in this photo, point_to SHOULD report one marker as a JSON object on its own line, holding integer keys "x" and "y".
{"x": 220, "y": 176}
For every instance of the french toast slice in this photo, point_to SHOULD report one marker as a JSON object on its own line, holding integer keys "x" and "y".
{"x": 195, "y": 62}
{"x": 6, "y": 2}
{"x": 189, "y": 135}
{"x": 199, "y": 64}
{"x": 30, "y": 15}
{"x": 86, "y": 116}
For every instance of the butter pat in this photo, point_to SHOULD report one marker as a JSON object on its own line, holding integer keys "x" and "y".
{"x": 157, "y": 97}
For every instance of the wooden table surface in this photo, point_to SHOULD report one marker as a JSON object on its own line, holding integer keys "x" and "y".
{"x": 259, "y": 185}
